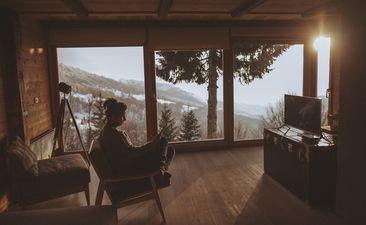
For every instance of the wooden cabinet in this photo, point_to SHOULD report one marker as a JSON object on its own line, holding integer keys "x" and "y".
{"x": 307, "y": 169}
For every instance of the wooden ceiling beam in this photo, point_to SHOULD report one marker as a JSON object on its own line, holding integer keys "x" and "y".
{"x": 77, "y": 7}
{"x": 164, "y": 7}
{"x": 246, "y": 6}
{"x": 321, "y": 8}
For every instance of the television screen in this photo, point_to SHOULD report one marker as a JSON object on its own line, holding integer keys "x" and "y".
{"x": 303, "y": 113}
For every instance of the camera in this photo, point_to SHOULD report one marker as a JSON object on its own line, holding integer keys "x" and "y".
{"x": 64, "y": 88}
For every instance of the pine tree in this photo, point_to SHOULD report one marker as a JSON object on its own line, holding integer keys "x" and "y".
{"x": 190, "y": 129}
{"x": 167, "y": 124}
{"x": 88, "y": 120}
{"x": 251, "y": 61}
{"x": 98, "y": 117}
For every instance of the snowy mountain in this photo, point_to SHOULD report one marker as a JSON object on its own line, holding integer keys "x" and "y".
{"x": 84, "y": 82}
{"x": 85, "y": 85}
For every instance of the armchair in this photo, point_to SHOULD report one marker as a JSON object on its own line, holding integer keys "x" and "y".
{"x": 123, "y": 191}
{"x": 34, "y": 181}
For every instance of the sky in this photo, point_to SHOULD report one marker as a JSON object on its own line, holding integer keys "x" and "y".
{"x": 127, "y": 63}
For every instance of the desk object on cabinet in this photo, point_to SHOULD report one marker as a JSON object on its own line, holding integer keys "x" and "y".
{"x": 305, "y": 168}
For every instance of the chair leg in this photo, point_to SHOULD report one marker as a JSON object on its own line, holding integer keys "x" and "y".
{"x": 87, "y": 195}
{"x": 100, "y": 193}
{"x": 157, "y": 198}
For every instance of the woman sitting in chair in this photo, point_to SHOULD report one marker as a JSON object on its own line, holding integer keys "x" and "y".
{"x": 123, "y": 156}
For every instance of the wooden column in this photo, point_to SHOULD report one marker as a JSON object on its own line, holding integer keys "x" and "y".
{"x": 11, "y": 76}
{"x": 310, "y": 68}
{"x": 351, "y": 153}
{"x": 228, "y": 96}
{"x": 150, "y": 93}
{"x": 54, "y": 80}
{"x": 334, "y": 80}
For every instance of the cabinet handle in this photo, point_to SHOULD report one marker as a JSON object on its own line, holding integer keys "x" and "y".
{"x": 290, "y": 148}
{"x": 300, "y": 155}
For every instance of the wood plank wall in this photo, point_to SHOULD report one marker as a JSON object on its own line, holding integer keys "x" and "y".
{"x": 35, "y": 80}
{"x": 10, "y": 97}
{"x": 3, "y": 126}
{"x": 351, "y": 154}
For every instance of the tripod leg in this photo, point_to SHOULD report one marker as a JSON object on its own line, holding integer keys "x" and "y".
{"x": 60, "y": 139}
{"x": 59, "y": 125}
{"x": 77, "y": 130}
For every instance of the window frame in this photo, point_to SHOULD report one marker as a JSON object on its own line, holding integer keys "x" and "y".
{"x": 309, "y": 80}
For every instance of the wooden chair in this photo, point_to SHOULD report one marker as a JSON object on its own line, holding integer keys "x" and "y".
{"x": 123, "y": 191}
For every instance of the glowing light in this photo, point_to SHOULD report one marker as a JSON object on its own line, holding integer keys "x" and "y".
{"x": 31, "y": 51}
{"x": 4, "y": 203}
{"x": 39, "y": 50}
{"x": 321, "y": 43}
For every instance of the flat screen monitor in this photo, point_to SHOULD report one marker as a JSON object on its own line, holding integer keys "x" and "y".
{"x": 303, "y": 113}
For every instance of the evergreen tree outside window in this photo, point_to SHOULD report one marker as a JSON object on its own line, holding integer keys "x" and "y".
{"x": 167, "y": 124}
{"x": 196, "y": 85}
{"x": 251, "y": 61}
{"x": 189, "y": 128}
{"x": 98, "y": 117}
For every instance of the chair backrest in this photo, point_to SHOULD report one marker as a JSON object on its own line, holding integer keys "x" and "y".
{"x": 99, "y": 160}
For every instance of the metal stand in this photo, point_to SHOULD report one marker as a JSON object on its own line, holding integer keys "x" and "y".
{"x": 59, "y": 127}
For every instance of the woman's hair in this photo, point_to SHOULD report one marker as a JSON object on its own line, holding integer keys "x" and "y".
{"x": 112, "y": 107}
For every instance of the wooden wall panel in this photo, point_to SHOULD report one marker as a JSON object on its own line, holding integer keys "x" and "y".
{"x": 166, "y": 38}
{"x": 85, "y": 37}
{"x": 294, "y": 33}
{"x": 351, "y": 154}
{"x": 3, "y": 127}
{"x": 9, "y": 73}
{"x": 33, "y": 68}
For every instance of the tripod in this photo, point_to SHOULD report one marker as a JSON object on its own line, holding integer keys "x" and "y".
{"x": 59, "y": 127}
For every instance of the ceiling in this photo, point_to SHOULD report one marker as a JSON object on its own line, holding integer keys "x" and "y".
{"x": 174, "y": 10}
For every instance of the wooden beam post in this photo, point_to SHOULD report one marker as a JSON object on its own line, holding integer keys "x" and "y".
{"x": 150, "y": 93}
{"x": 321, "y": 8}
{"x": 164, "y": 7}
{"x": 77, "y": 7}
{"x": 246, "y": 6}
{"x": 9, "y": 45}
{"x": 310, "y": 69}
{"x": 228, "y": 96}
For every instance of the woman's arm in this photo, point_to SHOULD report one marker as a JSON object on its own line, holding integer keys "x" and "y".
{"x": 136, "y": 151}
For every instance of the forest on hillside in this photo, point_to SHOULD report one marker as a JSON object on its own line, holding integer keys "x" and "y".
{"x": 181, "y": 115}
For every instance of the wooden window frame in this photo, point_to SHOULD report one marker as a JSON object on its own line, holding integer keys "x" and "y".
{"x": 309, "y": 88}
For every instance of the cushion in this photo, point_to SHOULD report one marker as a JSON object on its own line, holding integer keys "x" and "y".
{"x": 24, "y": 161}
{"x": 57, "y": 173}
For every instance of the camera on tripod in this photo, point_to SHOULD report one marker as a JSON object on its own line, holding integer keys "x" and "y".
{"x": 64, "y": 88}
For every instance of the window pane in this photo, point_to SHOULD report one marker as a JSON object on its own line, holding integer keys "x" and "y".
{"x": 322, "y": 45}
{"x": 189, "y": 91}
{"x": 263, "y": 73}
{"x": 96, "y": 74}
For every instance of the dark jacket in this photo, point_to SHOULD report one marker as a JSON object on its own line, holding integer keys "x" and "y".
{"x": 119, "y": 150}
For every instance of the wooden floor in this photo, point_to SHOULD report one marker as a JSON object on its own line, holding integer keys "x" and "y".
{"x": 218, "y": 188}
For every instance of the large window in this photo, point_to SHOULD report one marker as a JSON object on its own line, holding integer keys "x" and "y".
{"x": 190, "y": 94}
{"x": 263, "y": 73}
{"x": 189, "y": 90}
{"x": 96, "y": 74}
